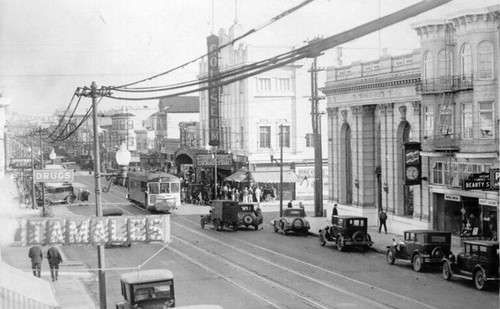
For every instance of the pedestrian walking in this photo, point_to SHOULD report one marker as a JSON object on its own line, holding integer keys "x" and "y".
{"x": 36, "y": 256}
{"x": 335, "y": 212}
{"x": 383, "y": 218}
{"x": 290, "y": 204}
{"x": 54, "y": 257}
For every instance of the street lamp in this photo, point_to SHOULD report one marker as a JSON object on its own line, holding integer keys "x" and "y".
{"x": 214, "y": 156}
{"x": 271, "y": 154}
{"x": 122, "y": 157}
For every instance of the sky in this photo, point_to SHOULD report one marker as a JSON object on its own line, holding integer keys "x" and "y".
{"x": 48, "y": 48}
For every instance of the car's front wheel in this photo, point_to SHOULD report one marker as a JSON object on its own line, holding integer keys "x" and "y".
{"x": 479, "y": 279}
{"x": 390, "y": 257}
{"x": 340, "y": 244}
{"x": 417, "y": 263}
{"x": 446, "y": 271}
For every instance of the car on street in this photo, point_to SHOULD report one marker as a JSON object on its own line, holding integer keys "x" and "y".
{"x": 421, "y": 248}
{"x": 223, "y": 213}
{"x": 346, "y": 231}
{"x": 478, "y": 261}
{"x": 249, "y": 216}
{"x": 153, "y": 288}
{"x": 293, "y": 220}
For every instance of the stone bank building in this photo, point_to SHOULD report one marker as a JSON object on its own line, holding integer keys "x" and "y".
{"x": 442, "y": 98}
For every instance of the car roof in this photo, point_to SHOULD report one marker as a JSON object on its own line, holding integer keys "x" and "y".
{"x": 482, "y": 242}
{"x": 150, "y": 275}
{"x": 427, "y": 231}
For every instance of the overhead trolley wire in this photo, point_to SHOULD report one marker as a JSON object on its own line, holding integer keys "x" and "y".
{"x": 267, "y": 23}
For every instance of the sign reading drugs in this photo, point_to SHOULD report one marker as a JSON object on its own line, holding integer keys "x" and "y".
{"x": 53, "y": 175}
{"x": 95, "y": 230}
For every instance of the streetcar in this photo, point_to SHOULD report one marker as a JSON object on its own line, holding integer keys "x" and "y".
{"x": 155, "y": 191}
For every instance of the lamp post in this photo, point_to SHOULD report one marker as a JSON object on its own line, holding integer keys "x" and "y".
{"x": 214, "y": 156}
{"x": 281, "y": 168}
{"x": 122, "y": 159}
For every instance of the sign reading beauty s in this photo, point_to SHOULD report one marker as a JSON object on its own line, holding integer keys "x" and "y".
{"x": 53, "y": 175}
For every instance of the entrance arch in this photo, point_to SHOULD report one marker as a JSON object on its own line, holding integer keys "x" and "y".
{"x": 346, "y": 168}
{"x": 405, "y": 194}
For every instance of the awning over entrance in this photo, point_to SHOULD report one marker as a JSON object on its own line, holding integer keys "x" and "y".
{"x": 263, "y": 177}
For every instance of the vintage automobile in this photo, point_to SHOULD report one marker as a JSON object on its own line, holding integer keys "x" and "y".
{"x": 249, "y": 216}
{"x": 57, "y": 193}
{"x": 223, "y": 213}
{"x": 478, "y": 261}
{"x": 108, "y": 212}
{"x": 144, "y": 289}
{"x": 346, "y": 231}
{"x": 420, "y": 247}
{"x": 294, "y": 219}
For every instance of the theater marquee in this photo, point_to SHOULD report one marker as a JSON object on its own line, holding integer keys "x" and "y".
{"x": 95, "y": 230}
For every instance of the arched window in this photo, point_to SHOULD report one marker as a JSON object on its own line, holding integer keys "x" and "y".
{"x": 466, "y": 60}
{"x": 427, "y": 65}
{"x": 444, "y": 63}
{"x": 485, "y": 60}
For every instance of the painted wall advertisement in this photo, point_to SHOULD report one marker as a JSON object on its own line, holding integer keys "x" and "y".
{"x": 305, "y": 186}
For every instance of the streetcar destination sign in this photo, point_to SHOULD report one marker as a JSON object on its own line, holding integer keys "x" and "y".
{"x": 53, "y": 175}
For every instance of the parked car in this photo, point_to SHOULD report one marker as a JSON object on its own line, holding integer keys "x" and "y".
{"x": 294, "y": 219}
{"x": 223, "y": 213}
{"x": 346, "y": 231}
{"x": 478, "y": 261}
{"x": 420, "y": 247}
{"x": 249, "y": 216}
{"x": 57, "y": 193}
{"x": 152, "y": 288}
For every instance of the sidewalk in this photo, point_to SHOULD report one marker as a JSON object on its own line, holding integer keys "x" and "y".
{"x": 69, "y": 290}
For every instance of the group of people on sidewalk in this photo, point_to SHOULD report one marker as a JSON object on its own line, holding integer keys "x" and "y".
{"x": 53, "y": 256}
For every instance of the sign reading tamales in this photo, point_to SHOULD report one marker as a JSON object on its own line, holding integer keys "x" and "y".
{"x": 412, "y": 167}
{"x": 95, "y": 230}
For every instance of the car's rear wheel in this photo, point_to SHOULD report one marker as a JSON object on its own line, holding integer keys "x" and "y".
{"x": 69, "y": 200}
{"x": 390, "y": 257}
{"x": 340, "y": 244}
{"x": 479, "y": 279}
{"x": 247, "y": 220}
{"x": 358, "y": 236}
{"x": 437, "y": 253}
{"x": 446, "y": 271}
{"x": 417, "y": 263}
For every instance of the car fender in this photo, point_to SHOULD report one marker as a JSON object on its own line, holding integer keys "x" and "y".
{"x": 419, "y": 252}
{"x": 478, "y": 267}
{"x": 450, "y": 263}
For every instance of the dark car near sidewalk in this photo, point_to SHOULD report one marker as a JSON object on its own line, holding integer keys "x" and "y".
{"x": 346, "y": 231}
{"x": 249, "y": 216}
{"x": 478, "y": 261}
{"x": 420, "y": 247}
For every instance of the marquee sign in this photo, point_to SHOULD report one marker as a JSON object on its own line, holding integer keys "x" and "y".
{"x": 208, "y": 161}
{"x": 95, "y": 230}
{"x": 53, "y": 175}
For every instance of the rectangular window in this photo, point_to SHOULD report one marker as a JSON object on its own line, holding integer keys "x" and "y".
{"x": 467, "y": 120}
{"x": 486, "y": 119}
{"x": 309, "y": 140}
{"x": 283, "y": 84}
{"x": 446, "y": 120}
{"x": 264, "y": 84}
{"x": 437, "y": 173}
{"x": 265, "y": 137}
{"x": 286, "y": 137}
{"x": 429, "y": 121}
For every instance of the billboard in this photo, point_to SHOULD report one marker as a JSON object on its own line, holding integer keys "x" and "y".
{"x": 95, "y": 230}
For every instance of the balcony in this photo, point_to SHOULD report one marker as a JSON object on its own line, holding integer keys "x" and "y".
{"x": 442, "y": 143}
{"x": 446, "y": 84}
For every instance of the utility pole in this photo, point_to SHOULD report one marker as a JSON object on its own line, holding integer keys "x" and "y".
{"x": 41, "y": 167}
{"x": 316, "y": 127}
{"x": 33, "y": 189}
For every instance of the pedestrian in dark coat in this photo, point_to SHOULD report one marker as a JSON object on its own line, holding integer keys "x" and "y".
{"x": 335, "y": 212}
{"x": 382, "y": 216}
{"x": 36, "y": 256}
{"x": 54, "y": 257}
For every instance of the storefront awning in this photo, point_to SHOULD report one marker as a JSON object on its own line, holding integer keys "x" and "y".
{"x": 262, "y": 177}
{"x": 274, "y": 177}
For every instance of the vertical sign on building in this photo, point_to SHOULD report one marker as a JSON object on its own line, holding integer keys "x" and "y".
{"x": 412, "y": 167}
{"x": 213, "y": 91}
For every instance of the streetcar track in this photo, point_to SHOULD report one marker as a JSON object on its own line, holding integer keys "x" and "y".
{"x": 338, "y": 289}
{"x": 370, "y": 286}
